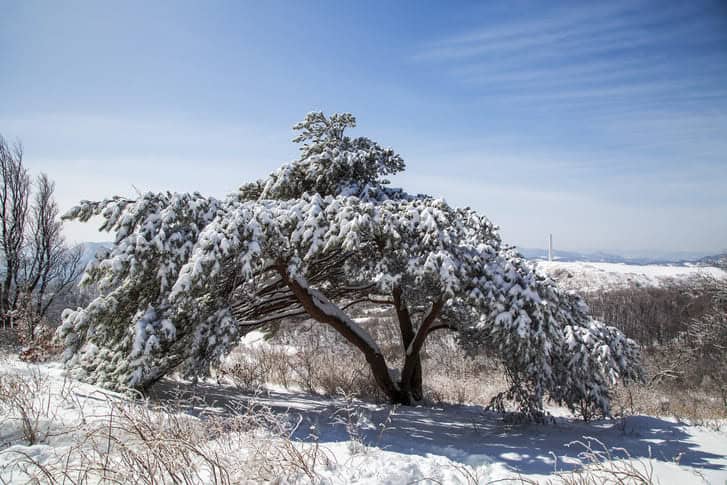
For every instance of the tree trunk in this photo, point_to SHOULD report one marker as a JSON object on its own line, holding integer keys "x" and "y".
{"x": 5, "y": 299}
{"x": 324, "y": 311}
{"x": 412, "y": 360}
{"x": 412, "y": 386}
{"x": 409, "y": 388}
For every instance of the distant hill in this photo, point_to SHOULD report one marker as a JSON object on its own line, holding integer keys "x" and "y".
{"x": 596, "y": 276}
{"x": 682, "y": 258}
{"x": 89, "y": 250}
{"x": 715, "y": 260}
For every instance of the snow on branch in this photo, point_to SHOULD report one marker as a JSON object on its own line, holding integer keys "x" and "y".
{"x": 188, "y": 274}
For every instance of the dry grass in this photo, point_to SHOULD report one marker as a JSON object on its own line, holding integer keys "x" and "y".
{"x": 29, "y": 400}
{"x": 318, "y": 361}
{"x": 668, "y": 393}
{"x": 601, "y": 466}
{"x": 141, "y": 443}
{"x": 452, "y": 376}
{"x": 694, "y": 406}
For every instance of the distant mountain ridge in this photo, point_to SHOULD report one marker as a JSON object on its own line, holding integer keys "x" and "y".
{"x": 89, "y": 250}
{"x": 715, "y": 260}
{"x": 680, "y": 259}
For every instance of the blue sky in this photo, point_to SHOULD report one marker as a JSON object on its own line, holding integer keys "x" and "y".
{"x": 603, "y": 123}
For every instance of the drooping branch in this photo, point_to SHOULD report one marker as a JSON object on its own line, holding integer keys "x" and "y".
{"x": 358, "y": 301}
{"x": 441, "y": 326}
{"x": 375, "y": 299}
{"x": 273, "y": 318}
{"x": 252, "y": 307}
{"x": 274, "y": 301}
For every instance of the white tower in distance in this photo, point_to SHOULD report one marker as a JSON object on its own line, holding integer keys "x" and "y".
{"x": 550, "y": 247}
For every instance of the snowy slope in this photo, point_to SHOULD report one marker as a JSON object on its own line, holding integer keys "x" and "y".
{"x": 365, "y": 443}
{"x": 596, "y": 276}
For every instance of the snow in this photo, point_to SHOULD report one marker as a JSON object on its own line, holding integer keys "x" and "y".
{"x": 370, "y": 444}
{"x": 592, "y": 276}
{"x": 328, "y": 218}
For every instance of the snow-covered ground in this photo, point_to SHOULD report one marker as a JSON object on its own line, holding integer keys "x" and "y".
{"x": 366, "y": 443}
{"x": 597, "y": 276}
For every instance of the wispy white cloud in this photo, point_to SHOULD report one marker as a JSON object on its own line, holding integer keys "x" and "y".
{"x": 582, "y": 30}
{"x": 608, "y": 55}
{"x": 633, "y": 97}
{"x": 524, "y": 28}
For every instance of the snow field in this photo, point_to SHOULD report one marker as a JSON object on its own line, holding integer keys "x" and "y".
{"x": 207, "y": 433}
{"x": 599, "y": 276}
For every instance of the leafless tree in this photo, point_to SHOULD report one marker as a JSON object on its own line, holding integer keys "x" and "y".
{"x": 14, "y": 205}
{"x": 38, "y": 265}
{"x": 50, "y": 267}
{"x": 705, "y": 342}
{"x": 653, "y": 316}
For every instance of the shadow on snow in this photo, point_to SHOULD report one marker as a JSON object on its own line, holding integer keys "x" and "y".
{"x": 465, "y": 434}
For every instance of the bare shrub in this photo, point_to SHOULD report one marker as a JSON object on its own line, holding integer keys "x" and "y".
{"x": 601, "y": 466}
{"x": 670, "y": 391}
{"x": 29, "y": 400}
{"x": 355, "y": 420}
{"x": 271, "y": 453}
{"x": 9, "y": 340}
{"x": 341, "y": 372}
{"x": 324, "y": 363}
{"x": 250, "y": 370}
{"x": 683, "y": 330}
{"x": 320, "y": 362}
{"x": 652, "y": 315}
{"x": 35, "y": 335}
{"x": 705, "y": 343}
{"x": 140, "y": 443}
{"x": 457, "y": 377}
{"x": 160, "y": 447}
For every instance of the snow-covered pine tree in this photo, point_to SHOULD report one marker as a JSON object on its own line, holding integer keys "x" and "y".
{"x": 188, "y": 275}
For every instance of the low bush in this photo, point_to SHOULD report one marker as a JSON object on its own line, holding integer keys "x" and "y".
{"x": 28, "y": 399}
{"x": 138, "y": 442}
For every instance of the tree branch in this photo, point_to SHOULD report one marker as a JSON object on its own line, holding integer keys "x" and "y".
{"x": 441, "y": 326}
{"x": 416, "y": 345}
{"x": 320, "y": 308}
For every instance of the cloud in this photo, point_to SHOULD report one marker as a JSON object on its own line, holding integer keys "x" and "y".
{"x": 575, "y": 31}
{"x": 612, "y": 57}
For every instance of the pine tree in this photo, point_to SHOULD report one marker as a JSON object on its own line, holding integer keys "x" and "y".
{"x": 188, "y": 275}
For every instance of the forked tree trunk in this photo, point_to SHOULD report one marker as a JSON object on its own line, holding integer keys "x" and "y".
{"x": 412, "y": 385}
{"x": 408, "y": 389}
